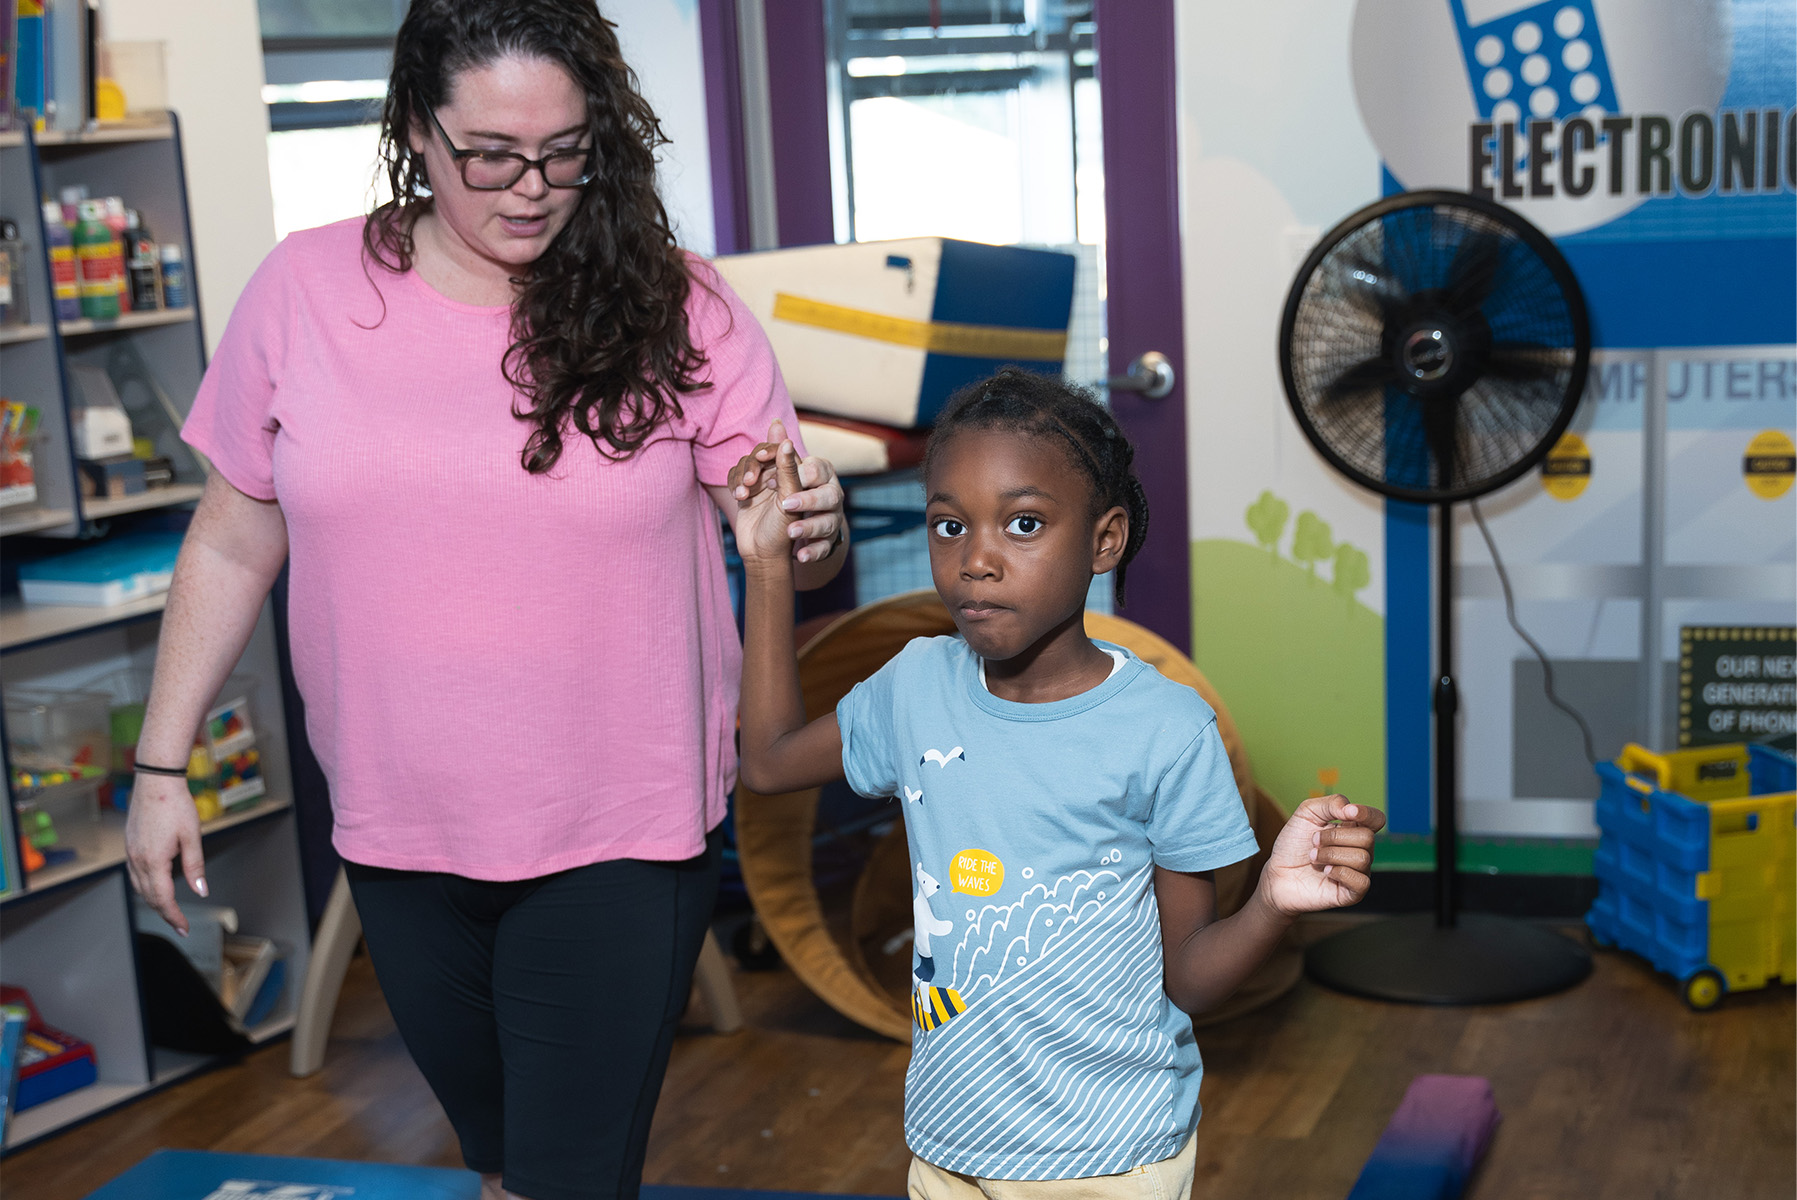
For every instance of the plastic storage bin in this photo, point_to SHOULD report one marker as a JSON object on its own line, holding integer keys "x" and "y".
{"x": 1695, "y": 868}
{"x": 224, "y": 768}
{"x": 52, "y": 733}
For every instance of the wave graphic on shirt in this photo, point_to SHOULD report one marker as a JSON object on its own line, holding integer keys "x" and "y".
{"x": 1000, "y": 939}
{"x": 1062, "y": 1072}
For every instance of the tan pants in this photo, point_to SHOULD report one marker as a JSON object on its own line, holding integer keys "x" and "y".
{"x": 1168, "y": 1179}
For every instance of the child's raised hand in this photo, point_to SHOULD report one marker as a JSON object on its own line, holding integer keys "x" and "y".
{"x": 763, "y": 478}
{"x": 1322, "y": 857}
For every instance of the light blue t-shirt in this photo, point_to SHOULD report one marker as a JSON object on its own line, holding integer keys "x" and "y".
{"x": 1044, "y": 1046}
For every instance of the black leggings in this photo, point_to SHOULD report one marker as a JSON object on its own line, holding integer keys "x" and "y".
{"x": 542, "y": 1012}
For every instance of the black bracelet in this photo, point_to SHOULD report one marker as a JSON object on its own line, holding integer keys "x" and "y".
{"x": 175, "y": 772}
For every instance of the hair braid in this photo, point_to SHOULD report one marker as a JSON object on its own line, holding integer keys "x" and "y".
{"x": 1043, "y": 406}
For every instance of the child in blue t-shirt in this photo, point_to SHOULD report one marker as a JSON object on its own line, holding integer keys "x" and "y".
{"x": 1065, "y": 805}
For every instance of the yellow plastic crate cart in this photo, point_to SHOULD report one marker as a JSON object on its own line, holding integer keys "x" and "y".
{"x": 1695, "y": 867}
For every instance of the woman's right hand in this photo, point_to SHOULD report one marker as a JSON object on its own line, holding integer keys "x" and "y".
{"x": 161, "y": 824}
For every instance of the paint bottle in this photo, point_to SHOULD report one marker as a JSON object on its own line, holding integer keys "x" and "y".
{"x": 117, "y": 221}
{"x": 12, "y": 275}
{"x": 102, "y": 266}
{"x": 72, "y": 196}
{"x": 65, "y": 283}
{"x": 142, "y": 267}
{"x": 174, "y": 276}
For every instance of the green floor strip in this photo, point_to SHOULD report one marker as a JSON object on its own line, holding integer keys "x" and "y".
{"x": 1488, "y": 856}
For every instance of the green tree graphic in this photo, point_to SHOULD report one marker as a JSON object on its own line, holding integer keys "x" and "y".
{"x": 1351, "y": 573}
{"x": 1266, "y": 518}
{"x": 1311, "y": 541}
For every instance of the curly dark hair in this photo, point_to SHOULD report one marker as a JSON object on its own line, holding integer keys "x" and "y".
{"x": 599, "y": 332}
{"x": 1068, "y": 415}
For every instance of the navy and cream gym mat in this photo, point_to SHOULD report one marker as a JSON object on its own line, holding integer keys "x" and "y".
{"x": 198, "y": 1175}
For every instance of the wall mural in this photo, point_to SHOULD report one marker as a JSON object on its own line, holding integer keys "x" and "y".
{"x": 1656, "y": 141}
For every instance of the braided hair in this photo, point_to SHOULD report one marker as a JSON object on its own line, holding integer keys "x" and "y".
{"x": 1048, "y": 407}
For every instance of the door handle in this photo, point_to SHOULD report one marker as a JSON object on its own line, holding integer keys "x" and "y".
{"x": 1151, "y": 374}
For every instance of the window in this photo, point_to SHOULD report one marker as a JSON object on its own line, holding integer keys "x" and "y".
{"x": 975, "y": 119}
{"x": 326, "y": 64}
{"x": 972, "y": 119}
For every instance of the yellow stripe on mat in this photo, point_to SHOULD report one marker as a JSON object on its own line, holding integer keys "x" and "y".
{"x": 936, "y": 337}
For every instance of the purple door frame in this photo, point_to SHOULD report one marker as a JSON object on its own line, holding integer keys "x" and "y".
{"x": 798, "y": 100}
{"x": 720, "y": 49}
{"x": 798, "y": 110}
{"x": 1145, "y": 308}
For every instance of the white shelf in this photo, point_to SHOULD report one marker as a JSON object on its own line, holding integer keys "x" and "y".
{"x": 95, "y": 1098}
{"x": 22, "y": 623}
{"x": 284, "y": 1019}
{"x": 23, "y": 333}
{"x": 101, "y": 847}
{"x": 67, "y": 1108}
{"x": 67, "y": 930}
{"x": 30, "y": 519}
{"x": 169, "y": 1065}
{"x": 149, "y": 131}
{"x": 95, "y": 509}
{"x": 130, "y": 320}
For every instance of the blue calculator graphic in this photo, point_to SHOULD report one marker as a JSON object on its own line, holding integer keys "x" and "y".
{"x": 1534, "y": 61}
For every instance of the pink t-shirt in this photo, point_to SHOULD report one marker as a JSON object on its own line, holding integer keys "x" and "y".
{"x": 505, "y": 674}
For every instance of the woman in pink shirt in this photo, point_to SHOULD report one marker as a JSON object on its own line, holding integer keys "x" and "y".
{"x": 491, "y": 428}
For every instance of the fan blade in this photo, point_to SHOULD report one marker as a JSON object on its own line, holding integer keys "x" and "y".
{"x": 1441, "y": 433}
{"x": 1369, "y": 284}
{"x": 1524, "y": 361}
{"x": 1365, "y": 375}
{"x": 1473, "y": 273}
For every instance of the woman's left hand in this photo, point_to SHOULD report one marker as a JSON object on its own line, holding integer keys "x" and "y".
{"x": 818, "y": 525}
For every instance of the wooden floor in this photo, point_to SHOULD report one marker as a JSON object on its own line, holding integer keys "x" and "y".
{"x": 1611, "y": 1090}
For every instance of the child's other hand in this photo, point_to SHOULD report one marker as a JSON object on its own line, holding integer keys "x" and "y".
{"x": 1322, "y": 857}
{"x": 763, "y": 478}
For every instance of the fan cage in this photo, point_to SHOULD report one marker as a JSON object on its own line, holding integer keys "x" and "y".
{"x": 1383, "y": 270}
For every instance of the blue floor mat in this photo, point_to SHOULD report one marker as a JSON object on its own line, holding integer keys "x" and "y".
{"x": 199, "y": 1175}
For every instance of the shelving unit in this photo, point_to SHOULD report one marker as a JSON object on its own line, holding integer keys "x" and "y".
{"x": 130, "y": 320}
{"x": 94, "y": 508}
{"x": 66, "y": 932}
{"x": 24, "y": 333}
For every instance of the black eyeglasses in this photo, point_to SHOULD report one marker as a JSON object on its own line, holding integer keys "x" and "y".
{"x": 496, "y": 170}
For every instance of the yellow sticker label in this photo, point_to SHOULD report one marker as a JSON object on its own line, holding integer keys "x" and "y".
{"x": 977, "y": 873}
{"x": 1770, "y": 464}
{"x": 1566, "y": 471}
{"x": 936, "y": 337}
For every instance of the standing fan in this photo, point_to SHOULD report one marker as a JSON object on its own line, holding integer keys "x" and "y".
{"x": 1434, "y": 348}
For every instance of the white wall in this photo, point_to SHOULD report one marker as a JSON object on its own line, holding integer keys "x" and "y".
{"x": 214, "y": 58}
{"x": 1272, "y": 152}
{"x": 661, "y": 43}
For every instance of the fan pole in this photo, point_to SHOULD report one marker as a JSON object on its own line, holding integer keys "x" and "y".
{"x": 1447, "y": 958}
{"x": 1447, "y": 709}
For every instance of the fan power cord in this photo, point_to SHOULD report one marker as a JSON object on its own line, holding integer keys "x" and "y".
{"x": 1547, "y": 668}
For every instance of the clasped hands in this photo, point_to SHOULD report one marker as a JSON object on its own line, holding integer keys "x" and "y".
{"x": 786, "y": 505}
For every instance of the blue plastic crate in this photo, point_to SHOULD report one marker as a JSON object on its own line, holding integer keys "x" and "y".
{"x": 1770, "y": 771}
{"x": 1666, "y": 825}
{"x": 1676, "y": 947}
{"x": 1675, "y": 894}
{"x": 1655, "y": 845}
{"x": 1663, "y": 888}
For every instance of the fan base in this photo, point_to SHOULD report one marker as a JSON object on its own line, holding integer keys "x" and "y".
{"x": 1482, "y": 960}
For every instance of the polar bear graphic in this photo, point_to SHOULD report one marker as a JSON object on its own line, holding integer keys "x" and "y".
{"x": 930, "y": 1005}
{"x": 925, "y": 923}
